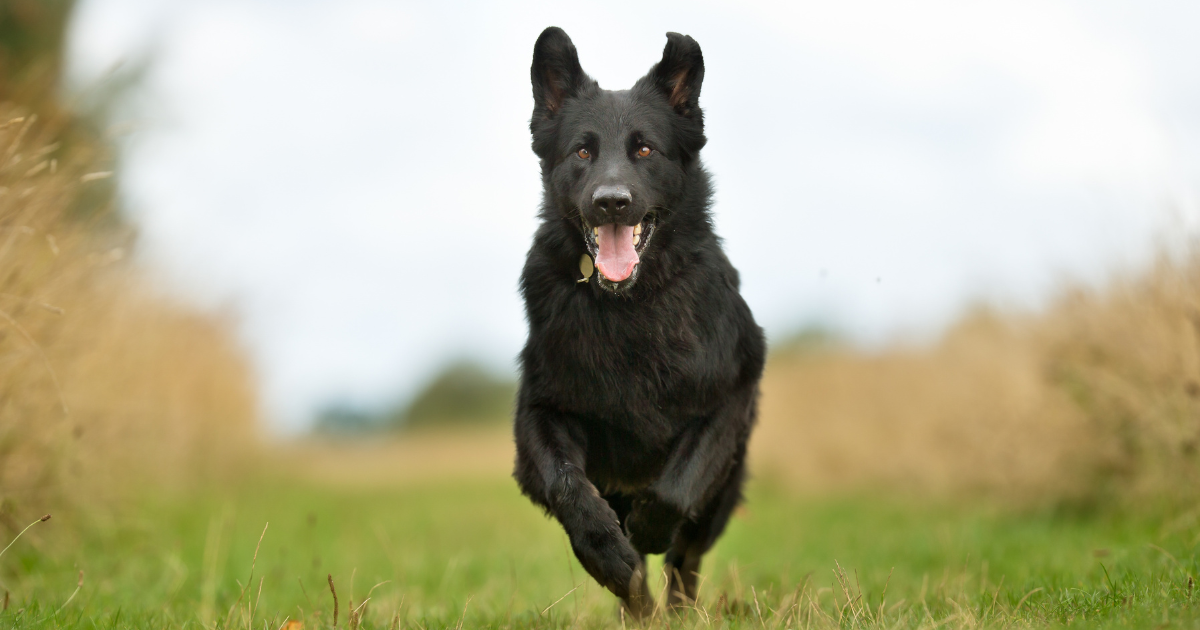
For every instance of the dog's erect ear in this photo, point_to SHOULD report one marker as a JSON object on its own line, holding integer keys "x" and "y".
{"x": 556, "y": 72}
{"x": 680, "y": 73}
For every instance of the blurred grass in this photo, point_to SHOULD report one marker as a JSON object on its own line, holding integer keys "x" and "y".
{"x": 103, "y": 382}
{"x": 439, "y": 547}
{"x": 106, "y": 385}
{"x": 1094, "y": 401}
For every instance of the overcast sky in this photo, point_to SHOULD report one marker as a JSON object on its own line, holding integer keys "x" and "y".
{"x": 353, "y": 179}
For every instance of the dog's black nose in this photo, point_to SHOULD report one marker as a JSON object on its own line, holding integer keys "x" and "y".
{"x": 611, "y": 199}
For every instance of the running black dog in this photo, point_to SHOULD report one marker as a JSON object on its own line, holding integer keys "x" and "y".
{"x": 639, "y": 382}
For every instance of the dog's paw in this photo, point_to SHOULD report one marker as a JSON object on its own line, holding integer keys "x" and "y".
{"x": 639, "y": 603}
{"x": 651, "y": 525}
{"x": 607, "y": 555}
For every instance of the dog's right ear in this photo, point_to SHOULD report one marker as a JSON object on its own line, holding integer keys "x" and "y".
{"x": 556, "y": 73}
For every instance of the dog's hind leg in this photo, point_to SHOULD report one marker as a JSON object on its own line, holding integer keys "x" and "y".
{"x": 695, "y": 474}
{"x": 639, "y": 594}
{"x": 696, "y": 536}
{"x": 621, "y": 503}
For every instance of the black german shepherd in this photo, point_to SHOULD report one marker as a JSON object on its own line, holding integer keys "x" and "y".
{"x": 639, "y": 382}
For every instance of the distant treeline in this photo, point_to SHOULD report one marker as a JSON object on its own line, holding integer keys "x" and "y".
{"x": 462, "y": 394}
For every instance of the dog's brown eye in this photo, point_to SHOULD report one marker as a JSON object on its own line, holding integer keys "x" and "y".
{"x": 643, "y": 151}
{"x": 584, "y": 153}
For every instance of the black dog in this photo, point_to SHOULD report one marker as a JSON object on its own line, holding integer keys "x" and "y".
{"x": 639, "y": 383}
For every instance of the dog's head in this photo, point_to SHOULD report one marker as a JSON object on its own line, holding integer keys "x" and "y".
{"x": 615, "y": 163}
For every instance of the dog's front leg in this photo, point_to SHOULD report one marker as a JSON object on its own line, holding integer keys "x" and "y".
{"x": 698, "y": 465}
{"x": 550, "y": 471}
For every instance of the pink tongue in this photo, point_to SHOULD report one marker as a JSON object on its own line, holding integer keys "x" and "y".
{"x": 617, "y": 256}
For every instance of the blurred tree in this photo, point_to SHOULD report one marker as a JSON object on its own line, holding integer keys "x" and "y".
{"x": 32, "y": 34}
{"x": 32, "y": 61}
{"x": 463, "y": 393}
{"x": 810, "y": 340}
{"x": 346, "y": 420}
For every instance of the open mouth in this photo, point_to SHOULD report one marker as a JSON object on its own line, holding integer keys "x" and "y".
{"x": 617, "y": 249}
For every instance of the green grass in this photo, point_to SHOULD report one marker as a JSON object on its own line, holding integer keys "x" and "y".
{"x": 479, "y": 547}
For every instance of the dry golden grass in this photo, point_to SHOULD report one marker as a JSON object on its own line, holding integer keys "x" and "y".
{"x": 1098, "y": 396}
{"x": 101, "y": 381}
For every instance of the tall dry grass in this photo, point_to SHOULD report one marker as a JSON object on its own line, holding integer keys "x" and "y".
{"x": 103, "y": 383}
{"x": 1094, "y": 398}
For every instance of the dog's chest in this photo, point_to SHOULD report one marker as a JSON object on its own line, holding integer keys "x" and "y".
{"x": 636, "y": 366}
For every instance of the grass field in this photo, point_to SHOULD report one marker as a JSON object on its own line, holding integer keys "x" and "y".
{"x": 471, "y": 552}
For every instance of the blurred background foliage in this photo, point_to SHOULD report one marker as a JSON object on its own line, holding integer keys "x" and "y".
{"x": 32, "y": 43}
{"x": 105, "y": 384}
{"x": 103, "y": 379}
{"x": 1094, "y": 401}
{"x": 462, "y": 394}
{"x": 32, "y": 34}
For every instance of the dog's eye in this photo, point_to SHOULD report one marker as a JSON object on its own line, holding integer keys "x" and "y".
{"x": 584, "y": 153}
{"x": 643, "y": 151}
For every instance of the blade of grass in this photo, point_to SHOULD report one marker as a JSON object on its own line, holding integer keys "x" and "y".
{"x": 18, "y": 537}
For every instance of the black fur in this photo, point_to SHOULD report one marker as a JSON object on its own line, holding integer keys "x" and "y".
{"x": 637, "y": 397}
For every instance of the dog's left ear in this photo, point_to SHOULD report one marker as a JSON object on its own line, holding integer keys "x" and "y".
{"x": 680, "y": 73}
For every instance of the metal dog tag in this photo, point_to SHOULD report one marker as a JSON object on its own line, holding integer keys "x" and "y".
{"x": 585, "y": 268}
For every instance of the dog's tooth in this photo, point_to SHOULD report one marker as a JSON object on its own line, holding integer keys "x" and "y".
{"x": 636, "y": 239}
{"x": 637, "y": 229}
{"x": 595, "y": 231}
